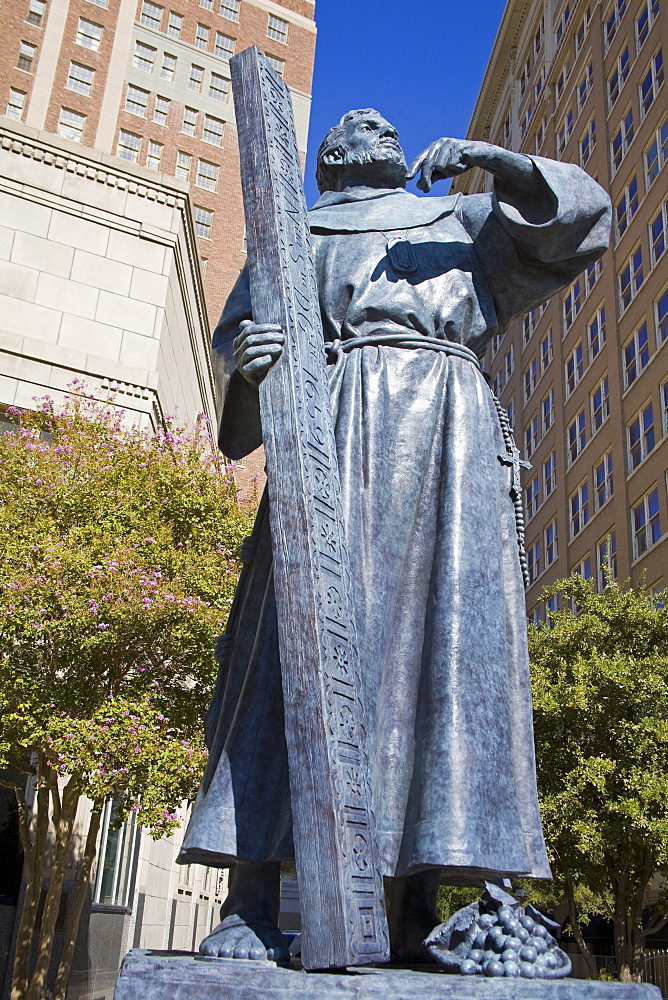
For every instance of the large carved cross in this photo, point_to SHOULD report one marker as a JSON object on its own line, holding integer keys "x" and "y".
{"x": 340, "y": 885}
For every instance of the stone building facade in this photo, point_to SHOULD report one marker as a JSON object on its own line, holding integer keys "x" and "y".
{"x": 585, "y": 377}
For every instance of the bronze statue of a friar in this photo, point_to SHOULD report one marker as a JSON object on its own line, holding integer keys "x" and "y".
{"x": 411, "y": 291}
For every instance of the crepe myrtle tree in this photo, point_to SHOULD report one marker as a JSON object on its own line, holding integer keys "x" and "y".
{"x": 600, "y": 696}
{"x": 117, "y": 568}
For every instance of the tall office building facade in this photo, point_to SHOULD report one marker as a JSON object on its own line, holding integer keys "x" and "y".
{"x": 150, "y": 83}
{"x": 584, "y": 376}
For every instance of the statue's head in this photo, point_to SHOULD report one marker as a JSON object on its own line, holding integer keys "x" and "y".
{"x": 362, "y": 147}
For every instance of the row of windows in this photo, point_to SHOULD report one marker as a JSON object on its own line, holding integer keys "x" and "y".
{"x": 606, "y": 571}
{"x": 654, "y": 158}
{"x": 645, "y": 533}
{"x": 646, "y": 15}
{"x": 152, "y": 16}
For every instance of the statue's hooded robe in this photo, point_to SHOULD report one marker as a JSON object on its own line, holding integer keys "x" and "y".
{"x": 431, "y": 533}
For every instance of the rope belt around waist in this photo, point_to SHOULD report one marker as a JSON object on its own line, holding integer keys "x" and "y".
{"x": 401, "y": 340}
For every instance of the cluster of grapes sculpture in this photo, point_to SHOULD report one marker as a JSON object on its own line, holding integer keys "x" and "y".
{"x": 498, "y": 937}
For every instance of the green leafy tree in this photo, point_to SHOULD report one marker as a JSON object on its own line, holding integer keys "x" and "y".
{"x": 117, "y": 562}
{"x": 600, "y": 690}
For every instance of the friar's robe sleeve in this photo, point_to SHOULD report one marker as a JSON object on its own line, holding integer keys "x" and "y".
{"x": 531, "y": 248}
{"x": 239, "y": 431}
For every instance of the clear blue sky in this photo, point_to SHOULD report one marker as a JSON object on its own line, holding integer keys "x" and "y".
{"x": 419, "y": 63}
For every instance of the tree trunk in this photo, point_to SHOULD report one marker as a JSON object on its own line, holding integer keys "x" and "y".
{"x": 33, "y": 848}
{"x": 72, "y": 926}
{"x": 583, "y": 947}
{"x": 67, "y": 812}
{"x": 620, "y": 924}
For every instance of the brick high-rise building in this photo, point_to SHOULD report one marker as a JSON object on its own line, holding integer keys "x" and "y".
{"x": 150, "y": 82}
{"x": 585, "y": 377}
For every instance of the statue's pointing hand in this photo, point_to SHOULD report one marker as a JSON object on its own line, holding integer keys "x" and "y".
{"x": 257, "y": 348}
{"x": 443, "y": 158}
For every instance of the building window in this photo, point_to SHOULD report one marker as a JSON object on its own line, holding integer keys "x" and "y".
{"x": 663, "y": 391}
{"x": 551, "y": 606}
{"x": 219, "y": 87}
{"x": 562, "y": 79}
{"x": 640, "y": 436}
{"x": 168, "y": 67}
{"x": 278, "y": 65}
{"x": 596, "y": 332}
{"x": 203, "y": 222}
{"x": 161, "y": 110}
{"x": 546, "y": 349}
{"x": 183, "y": 162}
{"x": 583, "y": 568}
{"x": 562, "y": 23}
{"x": 201, "y": 37}
{"x": 497, "y": 384}
{"x": 645, "y": 523}
{"x": 658, "y": 228}
{"x": 525, "y": 76}
{"x": 584, "y": 86}
{"x": 618, "y": 77}
{"x": 154, "y": 155}
{"x": 540, "y": 83}
{"x": 627, "y": 206}
{"x": 631, "y": 278}
{"x": 636, "y": 354}
{"x": 535, "y": 616}
{"x": 603, "y": 482}
{"x": 136, "y": 101}
{"x": 646, "y": 17}
{"x": 539, "y": 36}
{"x": 532, "y": 493}
{"x": 71, "y": 125}
{"x": 661, "y": 309}
{"x": 550, "y": 536}
{"x": 529, "y": 325}
{"x": 229, "y": 9}
{"x": 113, "y": 881}
{"x": 606, "y": 559}
{"x": 213, "y": 131}
{"x": 26, "y": 57}
{"x": 579, "y": 508}
{"x": 577, "y": 436}
{"x": 583, "y": 28}
{"x": 530, "y": 378}
{"x": 151, "y": 15}
{"x": 621, "y": 140}
{"x": 496, "y": 343}
{"x": 612, "y": 21}
{"x": 574, "y": 368}
{"x": 573, "y": 303}
{"x": 89, "y": 34}
{"x": 587, "y": 142}
{"x": 655, "y": 155}
{"x": 592, "y": 274}
{"x": 549, "y": 474}
{"x": 144, "y": 57}
{"x": 509, "y": 362}
{"x": 533, "y": 561}
{"x": 507, "y": 129}
{"x": 129, "y": 145}
{"x": 174, "y": 24}
{"x": 277, "y": 29}
{"x": 510, "y": 410}
{"x": 196, "y": 78}
{"x": 547, "y": 410}
{"x": 224, "y": 46}
{"x": 540, "y": 133}
{"x": 531, "y": 436}
{"x": 36, "y": 12}
{"x": 651, "y": 83}
{"x": 100, "y": 3}
{"x": 189, "y": 121}
{"x": 565, "y": 132}
{"x": 526, "y": 120}
{"x": 15, "y": 104}
{"x": 207, "y": 175}
{"x": 206, "y": 4}
{"x": 600, "y": 405}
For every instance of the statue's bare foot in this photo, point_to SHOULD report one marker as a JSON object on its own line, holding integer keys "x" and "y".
{"x": 234, "y": 938}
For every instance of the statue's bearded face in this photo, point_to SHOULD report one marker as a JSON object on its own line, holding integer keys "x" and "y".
{"x": 366, "y": 147}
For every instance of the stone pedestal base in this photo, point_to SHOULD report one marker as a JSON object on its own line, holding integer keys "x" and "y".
{"x": 151, "y": 975}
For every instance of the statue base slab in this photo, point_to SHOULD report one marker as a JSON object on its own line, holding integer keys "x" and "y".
{"x": 155, "y": 975}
